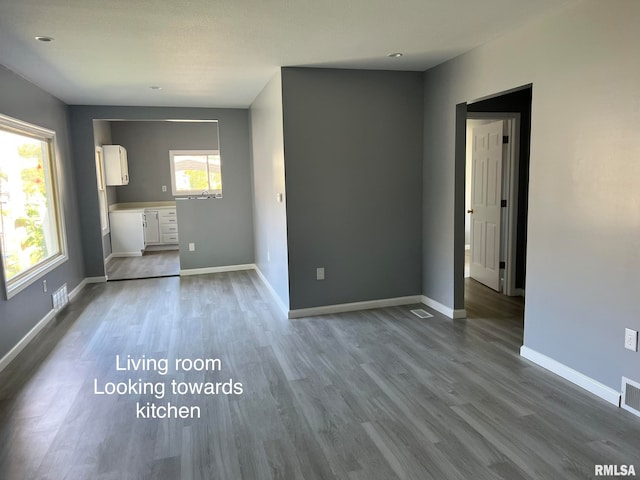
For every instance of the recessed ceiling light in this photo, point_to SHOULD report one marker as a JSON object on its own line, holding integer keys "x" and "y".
{"x": 155, "y": 87}
{"x": 395, "y": 55}
{"x": 44, "y": 39}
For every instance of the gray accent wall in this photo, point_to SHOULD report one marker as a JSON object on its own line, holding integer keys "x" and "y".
{"x": 583, "y": 255}
{"x": 24, "y": 101}
{"x": 148, "y": 145}
{"x": 236, "y": 170}
{"x": 269, "y": 214}
{"x": 353, "y": 150}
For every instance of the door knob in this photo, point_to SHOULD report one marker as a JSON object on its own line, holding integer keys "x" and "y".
{"x": 470, "y": 211}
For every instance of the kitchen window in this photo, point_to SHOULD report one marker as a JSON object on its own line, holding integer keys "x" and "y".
{"x": 195, "y": 172}
{"x": 32, "y": 240}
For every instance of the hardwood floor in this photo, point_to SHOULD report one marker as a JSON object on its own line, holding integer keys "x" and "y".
{"x": 378, "y": 394}
{"x": 158, "y": 263}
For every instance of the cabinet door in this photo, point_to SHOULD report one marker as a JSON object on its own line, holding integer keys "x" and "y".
{"x": 124, "y": 166}
{"x": 151, "y": 227}
{"x": 115, "y": 164}
{"x": 127, "y": 233}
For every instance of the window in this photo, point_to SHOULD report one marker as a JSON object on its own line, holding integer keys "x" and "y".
{"x": 32, "y": 240}
{"x": 102, "y": 192}
{"x": 195, "y": 172}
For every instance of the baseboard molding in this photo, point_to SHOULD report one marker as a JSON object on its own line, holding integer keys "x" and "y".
{"x": 352, "y": 307}
{"x": 273, "y": 293}
{"x": 608, "y": 394}
{"x": 443, "y": 309}
{"x": 225, "y": 268}
{"x": 126, "y": 254}
{"x": 108, "y": 259}
{"x": 74, "y": 293}
{"x": 101, "y": 279}
{"x": 519, "y": 292}
{"x": 13, "y": 353}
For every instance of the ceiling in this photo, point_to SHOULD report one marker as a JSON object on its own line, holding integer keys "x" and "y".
{"x": 221, "y": 53}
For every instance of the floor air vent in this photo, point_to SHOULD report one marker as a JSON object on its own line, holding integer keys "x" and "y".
{"x": 421, "y": 313}
{"x": 631, "y": 396}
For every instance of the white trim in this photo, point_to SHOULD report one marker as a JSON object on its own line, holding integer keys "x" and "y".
{"x": 449, "y": 312}
{"x": 101, "y": 279}
{"x": 108, "y": 259}
{"x": 352, "y": 307}
{"x": 137, "y": 253}
{"x": 74, "y": 293}
{"x": 518, "y": 292}
{"x": 13, "y": 353}
{"x": 273, "y": 293}
{"x": 224, "y": 268}
{"x": 609, "y": 394}
{"x": 459, "y": 313}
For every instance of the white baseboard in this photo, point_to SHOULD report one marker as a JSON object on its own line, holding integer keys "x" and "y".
{"x": 74, "y": 293}
{"x": 519, "y": 292}
{"x": 273, "y": 293}
{"x": 126, "y": 254}
{"x": 225, "y": 268}
{"x": 13, "y": 353}
{"x": 108, "y": 259}
{"x": 449, "y": 312}
{"x": 352, "y": 307}
{"x": 101, "y": 279}
{"x": 608, "y": 394}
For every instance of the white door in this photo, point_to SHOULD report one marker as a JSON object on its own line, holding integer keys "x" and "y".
{"x": 151, "y": 227}
{"x": 486, "y": 196}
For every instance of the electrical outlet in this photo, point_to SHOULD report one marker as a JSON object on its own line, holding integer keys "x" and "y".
{"x": 320, "y": 273}
{"x": 631, "y": 339}
{"x": 164, "y": 188}
{"x": 44, "y": 286}
{"x": 192, "y": 247}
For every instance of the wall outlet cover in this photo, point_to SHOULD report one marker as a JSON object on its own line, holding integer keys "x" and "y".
{"x": 320, "y": 273}
{"x": 631, "y": 339}
{"x": 192, "y": 247}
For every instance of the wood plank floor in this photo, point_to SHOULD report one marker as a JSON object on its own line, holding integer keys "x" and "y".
{"x": 379, "y": 394}
{"x": 158, "y": 263}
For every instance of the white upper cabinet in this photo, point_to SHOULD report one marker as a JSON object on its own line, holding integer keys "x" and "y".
{"x": 115, "y": 164}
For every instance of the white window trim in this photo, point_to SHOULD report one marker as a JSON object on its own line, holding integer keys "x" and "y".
{"x": 28, "y": 277}
{"x": 187, "y": 193}
{"x": 101, "y": 179}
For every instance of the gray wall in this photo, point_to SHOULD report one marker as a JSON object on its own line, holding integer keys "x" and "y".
{"x": 583, "y": 255}
{"x": 102, "y": 136}
{"x": 269, "y": 215}
{"x": 236, "y": 158}
{"x": 353, "y": 149}
{"x": 148, "y": 145}
{"x": 24, "y": 101}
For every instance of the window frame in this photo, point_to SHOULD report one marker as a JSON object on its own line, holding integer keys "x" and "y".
{"x": 26, "y": 278}
{"x": 103, "y": 199}
{"x": 184, "y": 193}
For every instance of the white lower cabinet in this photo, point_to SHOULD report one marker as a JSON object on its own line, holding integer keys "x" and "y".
{"x": 161, "y": 226}
{"x": 127, "y": 233}
{"x": 151, "y": 227}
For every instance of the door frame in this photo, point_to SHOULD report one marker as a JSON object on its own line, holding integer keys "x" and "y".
{"x": 510, "y": 168}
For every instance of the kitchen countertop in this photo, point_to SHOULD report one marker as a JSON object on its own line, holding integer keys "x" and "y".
{"x": 140, "y": 206}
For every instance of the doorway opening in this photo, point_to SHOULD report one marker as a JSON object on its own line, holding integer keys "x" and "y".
{"x": 139, "y": 185}
{"x": 492, "y": 179}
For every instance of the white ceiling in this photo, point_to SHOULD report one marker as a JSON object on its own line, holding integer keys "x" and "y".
{"x": 221, "y": 53}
